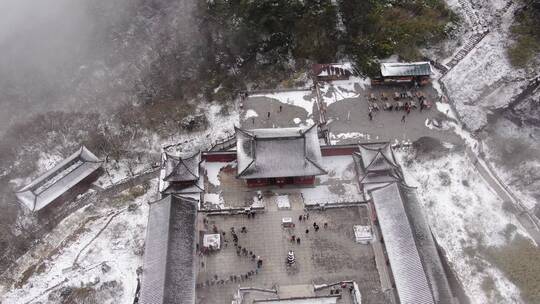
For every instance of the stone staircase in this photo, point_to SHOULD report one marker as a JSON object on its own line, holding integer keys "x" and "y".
{"x": 469, "y": 46}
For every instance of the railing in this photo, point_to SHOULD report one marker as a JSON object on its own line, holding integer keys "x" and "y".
{"x": 224, "y": 144}
{"x": 270, "y": 91}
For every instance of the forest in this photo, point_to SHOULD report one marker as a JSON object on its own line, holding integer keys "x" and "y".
{"x": 267, "y": 40}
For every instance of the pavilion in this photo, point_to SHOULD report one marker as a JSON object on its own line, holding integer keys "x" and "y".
{"x": 61, "y": 181}
{"x": 180, "y": 175}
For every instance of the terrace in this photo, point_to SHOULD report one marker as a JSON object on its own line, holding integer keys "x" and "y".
{"x": 224, "y": 190}
{"x": 346, "y": 109}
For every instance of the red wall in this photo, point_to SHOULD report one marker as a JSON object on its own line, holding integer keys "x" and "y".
{"x": 257, "y": 182}
{"x": 325, "y": 151}
{"x": 219, "y": 156}
{"x": 338, "y": 150}
{"x": 298, "y": 180}
{"x": 304, "y": 180}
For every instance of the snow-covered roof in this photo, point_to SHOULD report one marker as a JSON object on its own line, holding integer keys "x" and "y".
{"x": 168, "y": 266}
{"x": 427, "y": 248}
{"x": 377, "y": 157}
{"x": 389, "y": 69}
{"x": 179, "y": 169}
{"x": 59, "y": 179}
{"x": 409, "y": 275}
{"x": 175, "y": 172}
{"x": 284, "y": 152}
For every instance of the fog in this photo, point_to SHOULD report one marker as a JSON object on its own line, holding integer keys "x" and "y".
{"x": 86, "y": 55}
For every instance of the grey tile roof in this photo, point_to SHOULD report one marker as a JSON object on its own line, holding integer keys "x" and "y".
{"x": 396, "y": 69}
{"x": 409, "y": 275}
{"x": 285, "y": 152}
{"x": 168, "y": 267}
{"x": 427, "y": 248}
{"x": 377, "y": 157}
{"x": 59, "y": 179}
{"x": 366, "y": 177}
{"x": 179, "y": 176}
{"x": 179, "y": 169}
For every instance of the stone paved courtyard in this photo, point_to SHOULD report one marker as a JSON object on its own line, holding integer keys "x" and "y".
{"x": 347, "y": 109}
{"x": 339, "y": 185}
{"x": 327, "y": 256}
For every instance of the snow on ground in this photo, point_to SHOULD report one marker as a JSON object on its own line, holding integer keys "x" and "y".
{"x": 307, "y": 123}
{"x": 520, "y": 164}
{"x": 119, "y": 245}
{"x": 342, "y": 89}
{"x": 212, "y": 171}
{"x": 300, "y": 98}
{"x": 336, "y": 138}
{"x": 283, "y": 202}
{"x": 464, "y": 215}
{"x": 445, "y": 109}
{"x": 338, "y": 186}
{"x": 326, "y": 194}
{"x": 214, "y": 199}
{"x": 220, "y": 127}
{"x": 46, "y": 161}
{"x": 118, "y": 171}
{"x": 485, "y": 79}
{"x": 338, "y": 167}
{"x": 251, "y": 113}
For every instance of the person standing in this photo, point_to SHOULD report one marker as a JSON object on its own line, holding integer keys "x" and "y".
{"x": 370, "y": 115}
{"x": 403, "y": 118}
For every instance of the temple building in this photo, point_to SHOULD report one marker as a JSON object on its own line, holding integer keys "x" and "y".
{"x": 418, "y": 273}
{"x": 169, "y": 256}
{"x": 375, "y": 163}
{"x": 404, "y": 72}
{"x": 180, "y": 175}
{"x": 278, "y": 156}
{"x": 65, "y": 180}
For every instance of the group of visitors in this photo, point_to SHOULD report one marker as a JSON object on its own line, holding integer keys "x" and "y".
{"x": 406, "y": 106}
{"x": 241, "y": 251}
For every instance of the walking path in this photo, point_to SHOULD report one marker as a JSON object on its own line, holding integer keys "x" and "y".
{"x": 528, "y": 220}
{"x": 480, "y": 31}
{"x": 469, "y": 46}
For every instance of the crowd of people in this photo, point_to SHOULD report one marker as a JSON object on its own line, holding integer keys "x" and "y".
{"x": 241, "y": 251}
{"x": 402, "y": 101}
